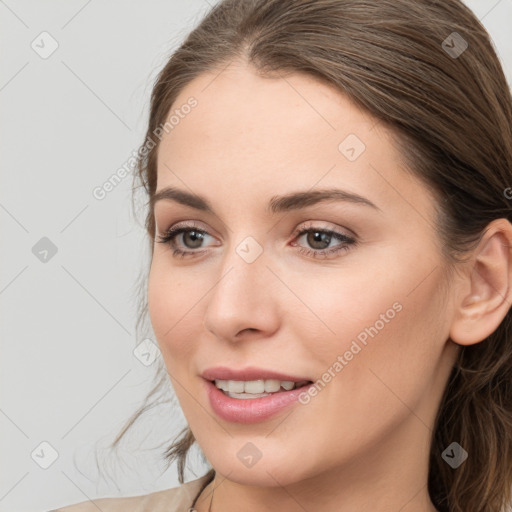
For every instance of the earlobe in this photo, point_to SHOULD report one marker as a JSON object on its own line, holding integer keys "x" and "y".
{"x": 487, "y": 295}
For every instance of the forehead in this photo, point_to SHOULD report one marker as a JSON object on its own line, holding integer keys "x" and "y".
{"x": 288, "y": 113}
{"x": 257, "y": 136}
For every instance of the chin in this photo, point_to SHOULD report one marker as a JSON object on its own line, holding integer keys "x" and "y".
{"x": 266, "y": 472}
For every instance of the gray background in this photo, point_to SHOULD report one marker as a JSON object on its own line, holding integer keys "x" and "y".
{"x": 69, "y": 376}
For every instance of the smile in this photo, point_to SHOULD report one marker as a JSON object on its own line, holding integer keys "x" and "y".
{"x": 256, "y": 388}
{"x": 251, "y": 406}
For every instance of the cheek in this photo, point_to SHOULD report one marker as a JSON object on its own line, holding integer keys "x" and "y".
{"x": 174, "y": 307}
{"x": 389, "y": 341}
{"x": 341, "y": 307}
{"x": 390, "y": 346}
{"x": 373, "y": 323}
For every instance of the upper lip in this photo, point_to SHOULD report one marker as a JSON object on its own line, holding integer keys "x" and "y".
{"x": 248, "y": 373}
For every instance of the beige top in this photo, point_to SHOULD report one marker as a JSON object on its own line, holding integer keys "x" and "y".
{"x": 177, "y": 499}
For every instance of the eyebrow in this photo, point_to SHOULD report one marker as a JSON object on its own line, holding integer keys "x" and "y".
{"x": 288, "y": 202}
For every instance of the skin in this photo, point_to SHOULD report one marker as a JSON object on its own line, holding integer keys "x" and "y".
{"x": 363, "y": 442}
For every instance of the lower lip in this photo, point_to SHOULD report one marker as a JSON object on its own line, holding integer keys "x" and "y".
{"x": 250, "y": 410}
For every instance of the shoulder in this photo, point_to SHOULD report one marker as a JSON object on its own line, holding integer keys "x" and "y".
{"x": 168, "y": 500}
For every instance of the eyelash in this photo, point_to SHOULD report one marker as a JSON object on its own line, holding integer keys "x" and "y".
{"x": 169, "y": 239}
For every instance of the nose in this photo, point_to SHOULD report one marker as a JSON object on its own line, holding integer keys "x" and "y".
{"x": 244, "y": 301}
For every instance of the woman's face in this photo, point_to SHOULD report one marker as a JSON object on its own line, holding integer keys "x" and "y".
{"x": 358, "y": 304}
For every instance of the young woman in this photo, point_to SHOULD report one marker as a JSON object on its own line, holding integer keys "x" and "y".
{"x": 329, "y": 190}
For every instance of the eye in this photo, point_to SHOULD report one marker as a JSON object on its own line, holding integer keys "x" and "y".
{"x": 193, "y": 236}
{"x": 319, "y": 239}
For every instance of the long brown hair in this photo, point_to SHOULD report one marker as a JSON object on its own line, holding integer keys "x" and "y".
{"x": 426, "y": 69}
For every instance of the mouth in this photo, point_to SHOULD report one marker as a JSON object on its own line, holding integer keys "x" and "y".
{"x": 250, "y": 389}
{"x": 253, "y": 401}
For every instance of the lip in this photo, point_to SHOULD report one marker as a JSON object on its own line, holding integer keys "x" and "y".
{"x": 251, "y": 410}
{"x": 248, "y": 373}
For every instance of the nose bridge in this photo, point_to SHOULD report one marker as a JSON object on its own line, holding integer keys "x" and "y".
{"x": 239, "y": 299}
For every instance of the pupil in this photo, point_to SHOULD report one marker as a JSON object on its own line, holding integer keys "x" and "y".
{"x": 196, "y": 238}
{"x": 315, "y": 237}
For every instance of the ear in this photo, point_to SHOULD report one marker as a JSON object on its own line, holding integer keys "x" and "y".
{"x": 486, "y": 291}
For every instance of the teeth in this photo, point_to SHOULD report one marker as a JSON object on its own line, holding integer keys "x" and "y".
{"x": 255, "y": 387}
{"x": 272, "y": 385}
{"x": 234, "y": 386}
{"x": 288, "y": 384}
{"x": 246, "y": 395}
